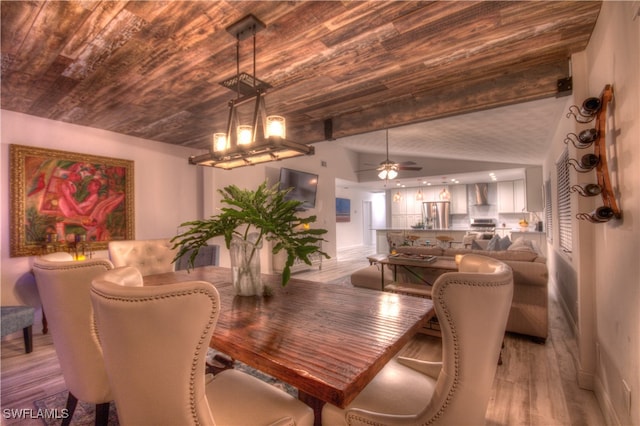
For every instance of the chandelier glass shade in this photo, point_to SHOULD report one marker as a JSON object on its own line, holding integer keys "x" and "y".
{"x": 276, "y": 127}
{"x": 248, "y": 144}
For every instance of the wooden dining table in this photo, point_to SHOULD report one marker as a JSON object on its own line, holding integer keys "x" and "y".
{"x": 326, "y": 340}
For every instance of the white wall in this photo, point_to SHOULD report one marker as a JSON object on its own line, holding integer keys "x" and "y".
{"x": 166, "y": 190}
{"x": 351, "y": 234}
{"x": 605, "y": 303}
{"x": 329, "y": 162}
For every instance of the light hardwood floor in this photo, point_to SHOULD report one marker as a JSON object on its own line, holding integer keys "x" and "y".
{"x": 535, "y": 385}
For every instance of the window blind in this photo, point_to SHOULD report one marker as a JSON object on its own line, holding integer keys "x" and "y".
{"x": 548, "y": 211}
{"x": 564, "y": 203}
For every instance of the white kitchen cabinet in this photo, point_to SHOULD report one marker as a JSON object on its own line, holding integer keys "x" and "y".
{"x": 535, "y": 201}
{"x": 519, "y": 202}
{"x": 398, "y": 206}
{"x": 458, "y": 199}
{"x": 505, "y": 197}
{"x": 399, "y": 221}
{"x": 414, "y": 207}
{"x": 511, "y": 196}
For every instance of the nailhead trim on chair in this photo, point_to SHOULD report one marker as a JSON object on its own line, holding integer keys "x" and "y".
{"x": 195, "y": 361}
{"x": 456, "y": 343}
{"x": 77, "y": 265}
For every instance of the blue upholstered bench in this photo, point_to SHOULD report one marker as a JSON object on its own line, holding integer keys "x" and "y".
{"x": 15, "y": 318}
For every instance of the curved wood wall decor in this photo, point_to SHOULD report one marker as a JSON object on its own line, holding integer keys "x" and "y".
{"x": 594, "y": 109}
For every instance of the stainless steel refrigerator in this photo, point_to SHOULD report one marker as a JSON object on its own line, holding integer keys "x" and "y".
{"x": 436, "y": 214}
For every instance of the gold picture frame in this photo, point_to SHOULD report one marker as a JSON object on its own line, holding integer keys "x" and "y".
{"x": 66, "y": 201}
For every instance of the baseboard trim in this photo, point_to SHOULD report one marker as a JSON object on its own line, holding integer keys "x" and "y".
{"x": 586, "y": 380}
{"x": 565, "y": 309}
{"x": 608, "y": 412}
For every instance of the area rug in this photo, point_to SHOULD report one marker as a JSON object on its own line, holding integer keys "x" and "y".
{"x": 346, "y": 280}
{"x": 85, "y": 413}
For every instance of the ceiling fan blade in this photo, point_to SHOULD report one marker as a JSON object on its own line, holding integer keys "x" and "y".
{"x": 415, "y": 168}
{"x": 407, "y": 163}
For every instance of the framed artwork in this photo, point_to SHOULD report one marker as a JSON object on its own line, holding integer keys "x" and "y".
{"x": 61, "y": 198}
{"x": 343, "y": 210}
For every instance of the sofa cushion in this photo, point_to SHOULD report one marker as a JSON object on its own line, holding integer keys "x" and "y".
{"x": 522, "y": 256}
{"x": 371, "y": 277}
{"x": 451, "y": 252}
{"x": 520, "y": 244}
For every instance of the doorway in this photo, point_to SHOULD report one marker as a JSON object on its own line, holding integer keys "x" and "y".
{"x": 367, "y": 230}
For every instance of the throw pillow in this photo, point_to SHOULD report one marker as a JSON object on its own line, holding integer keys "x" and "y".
{"x": 493, "y": 244}
{"x": 520, "y": 244}
{"x": 476, "y": 246}
{"x": 505, "y": 242}
{"x": 468, "y": 239}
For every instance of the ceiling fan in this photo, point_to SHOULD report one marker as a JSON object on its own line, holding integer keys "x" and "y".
{"x": 388, "y": 169}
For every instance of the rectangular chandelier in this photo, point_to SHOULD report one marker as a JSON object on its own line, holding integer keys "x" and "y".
{"x": 269, "y": 149}
{"x": 242, "y": 145}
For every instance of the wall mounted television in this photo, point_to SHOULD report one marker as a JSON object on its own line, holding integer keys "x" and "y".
{"x": 305, "y": 186}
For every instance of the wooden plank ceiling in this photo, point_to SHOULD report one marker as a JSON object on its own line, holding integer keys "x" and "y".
{"x": 152, "y": 69}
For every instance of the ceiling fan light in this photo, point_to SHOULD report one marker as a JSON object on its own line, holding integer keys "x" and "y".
{"x": 392, "y": 174}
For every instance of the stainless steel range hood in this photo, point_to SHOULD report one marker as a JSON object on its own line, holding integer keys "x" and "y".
{"x": 482, "y": 194}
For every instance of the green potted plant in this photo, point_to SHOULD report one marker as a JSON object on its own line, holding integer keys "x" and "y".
{"x": 249, "y": 218}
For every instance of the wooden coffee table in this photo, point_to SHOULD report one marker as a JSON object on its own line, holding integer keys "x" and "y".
{"x": 431, "y": 267}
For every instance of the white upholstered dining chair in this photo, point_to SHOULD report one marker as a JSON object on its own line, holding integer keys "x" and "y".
{"x": 472, "y": 306}
{"x": 148, "y": 256}
{"x": 155, "y": 342}
{"x": 63, "y": 285}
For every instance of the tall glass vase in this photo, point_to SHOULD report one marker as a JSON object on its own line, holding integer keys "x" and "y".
{"x": 245, "y": 267}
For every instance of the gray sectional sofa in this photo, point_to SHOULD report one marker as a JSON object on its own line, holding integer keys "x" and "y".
{"x": 529, "y": 309}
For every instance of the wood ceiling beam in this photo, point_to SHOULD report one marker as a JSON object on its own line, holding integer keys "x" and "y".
{"x": 442, "y": 102}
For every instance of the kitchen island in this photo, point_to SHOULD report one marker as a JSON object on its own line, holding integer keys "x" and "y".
{"x": 417, "y": 237}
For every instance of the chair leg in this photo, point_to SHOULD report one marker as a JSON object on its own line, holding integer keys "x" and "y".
{"x": 72, "y": 401}
{"x": 45, "y": 324}
{"x": 28, "y": 339}
{"x": 102, "y": 414}
{"x": 219, "y": 363}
